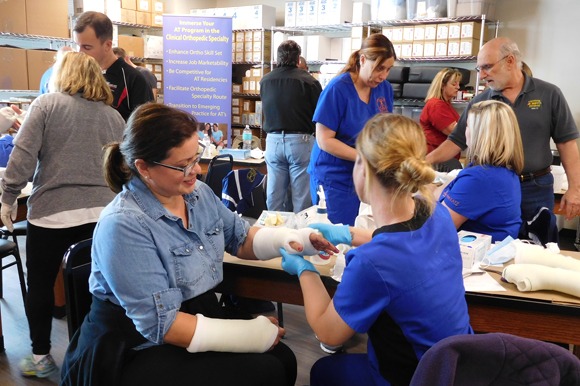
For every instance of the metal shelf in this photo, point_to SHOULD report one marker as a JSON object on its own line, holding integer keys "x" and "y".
{"x": 20, "y": 91}
{"x": 33, "y": 37}
{"x": 250, "y": 29}
{"x": 242, "y": 126}
{"x": 141, "y": 26}
{"x": 137, "y": 59}
{"x": 440, "y": 59}
{"x": 317, "y": 29}
{"x": 392, "y": 23}
{"x": 244, "y": 94}
{"x": 421, "y": 102}
{"x": 252, "y": 63}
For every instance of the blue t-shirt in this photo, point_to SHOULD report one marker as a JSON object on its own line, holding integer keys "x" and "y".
{"x": 340, "y": 109}
{"x": 405, "y": 288}
{"x": 6, "y": 147}
{"x": 45, "y": 80}
{"x": 490, "y": 198}
{"x": 217, "y": 135}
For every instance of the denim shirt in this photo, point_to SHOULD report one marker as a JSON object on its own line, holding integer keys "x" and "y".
{"x": 148, "y": 262}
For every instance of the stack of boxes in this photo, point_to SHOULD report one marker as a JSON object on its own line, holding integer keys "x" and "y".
{"x": 157, "y": 70}
{"x": 247, "y": 17}
{"x": 142, "y": 12}
{"x": 435, "y": 40}
{"x": 251, "y": 46}
{"x": 318, "y": 12}
{"x": 247, "y": 112}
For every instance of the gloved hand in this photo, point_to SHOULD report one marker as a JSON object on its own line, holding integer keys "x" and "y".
{"x": 336, "y": 234}
{"x": 8, "y": 214}
{"x": 294, "y": 264}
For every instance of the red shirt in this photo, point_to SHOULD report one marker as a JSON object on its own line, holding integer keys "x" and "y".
{"x": 435, "y": 117}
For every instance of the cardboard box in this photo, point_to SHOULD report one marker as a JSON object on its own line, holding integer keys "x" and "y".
{"x": 252, "y": 86}
{"x": 441, "y": 48}
{"x": 13, "y": 73}
{"x": 80, "y": 6}
{"x": 133, "y": 45}
{"x": 240, "y": 36}
{"x": 258, "y": 119}
{"x": 453, "y": 47}
{"x": 418, "y": 48}
{"x": 245, "y": 119}
{"x": 236, "y": 88}
{"x": 153, "y": 47}
{"x": 473, "y": 247}
{"x": 472, "y": 30}
{"x": 248, "y": 46}
{"x": 429, "y": 49}
{"x": 431, "y": 32}
{"x": 239, "y": 56}
{"x": 258, "y": 106}
{"x": 129, "y": 4}
{"x": 13, "y": 16}
{"x": 469, "y": 47}
{"x": 248, "y": 36}
{"x": 251, "y": 119}
{"x": 158, "y": 6}
{"x": 361, "y": 12}
{"x": 246, "y": 84}
{"x": 158, "y": 68}
{"x": 143, "y": 18}
{"x": 249, "y": 106}
{"x": 290, "y": 14}
{"x": 236, "y": 110}
{"x": 38, "y": 62}
{"x": 248, "y": 56}
{"x": 259, "y": 72}
{"x": 301, "y": 13}
{"x": 257, "y": 56}
{"x": 454, "y": 31}
{"x": 312, "y": 12}
{"x": 237, "y": 102}
{"x": 237, "y": 119}
{"x": 388, "y": 32}
{"x": 398, "y": 48}
{"x": 128, "y": 16}
{"x": 144, "y": 5}
{"x": 47, "y": 18}
{"x": 239, "y": 46}
{"x": 359, "y": 32}
{"x": 331, "y": 12}
{"x": 419, "y": 33}
{"x": 157, "y": 20}
{"x": 355, "y": 43}
{"x": 113, "y": 9}
{"x": 397, "y": 34}
{"x": 318, "y": 48}
{"x": 442, "y": 31}
{"x": 408, "y": 34}
{"x": 407, "y": 50}
{"x": 476, "y": 8}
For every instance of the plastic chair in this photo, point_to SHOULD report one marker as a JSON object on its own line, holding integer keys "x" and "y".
{"x": 218, "y": 168}
{"x": 76, "y": 268}
{"x": 10, "y": 248}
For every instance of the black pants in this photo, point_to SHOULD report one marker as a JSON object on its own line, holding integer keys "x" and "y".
{"x": 45, "y": 248}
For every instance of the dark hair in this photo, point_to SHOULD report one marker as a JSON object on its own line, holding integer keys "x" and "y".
{"x": 216, "y": 125}
{"x": 288, "y": 54}
{"x": 99, "y": 22}
{"x": 152, "y": 131}
{"x": 119, "y": 52}
{"x": 376, "y": 47}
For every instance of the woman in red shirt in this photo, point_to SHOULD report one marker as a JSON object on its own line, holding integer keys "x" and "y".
{"x": 439, "y": 118}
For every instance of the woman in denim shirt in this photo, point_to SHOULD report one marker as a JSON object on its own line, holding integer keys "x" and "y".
{"x": 157, "y": 256}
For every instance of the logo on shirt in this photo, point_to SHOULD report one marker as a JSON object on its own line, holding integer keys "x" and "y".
{"x": 252, "y": 175}
{"x": 446, "y": 195}
{"x": 382, "y": 105}
{"x": 534, "y": 104}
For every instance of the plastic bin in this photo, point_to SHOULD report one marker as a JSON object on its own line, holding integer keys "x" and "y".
{"x": 476, "y": 8}
{"x": 388, "y": 9}
{"x": 421, "y": 9}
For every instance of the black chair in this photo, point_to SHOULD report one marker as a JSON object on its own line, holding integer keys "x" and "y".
{"x": 447, "y": 166}
{"x": 76, "y": 268}
{"x": 19, "y": 230}
{"x": 218, "y": 168}
{"x": 10, "y": 248}
{"x": 259, "y": 200}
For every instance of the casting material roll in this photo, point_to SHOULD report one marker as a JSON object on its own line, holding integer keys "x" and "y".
{"x": 534, "y": 277}
{"x": 536, "y": 254}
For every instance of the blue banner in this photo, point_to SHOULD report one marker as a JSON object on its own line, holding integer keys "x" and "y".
{"x": 197, "y": 58}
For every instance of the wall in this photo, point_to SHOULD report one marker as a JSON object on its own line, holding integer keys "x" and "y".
{"x": 183, "y": 6}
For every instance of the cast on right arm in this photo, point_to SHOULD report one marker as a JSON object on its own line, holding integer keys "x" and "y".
{"x": 268, "y": 241}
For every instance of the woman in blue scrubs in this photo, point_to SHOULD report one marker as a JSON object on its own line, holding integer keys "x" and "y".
{"x": 404, "y": 288}
{"x": 355, "y": 95}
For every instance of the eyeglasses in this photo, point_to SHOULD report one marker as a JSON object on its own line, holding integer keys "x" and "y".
{"x": 487, "y": 67}
{"x": 186, "y": 170}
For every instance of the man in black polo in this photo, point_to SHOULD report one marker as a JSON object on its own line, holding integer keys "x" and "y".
{"x": 289, "y": 97}
{"x": 94, "y": 35}
{"x": 542, "y": 113}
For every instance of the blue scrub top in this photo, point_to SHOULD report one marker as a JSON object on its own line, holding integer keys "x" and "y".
{"x": 341, "y": 110}
{"x": 490, "y": 198}
{"x": 45, "y": 80}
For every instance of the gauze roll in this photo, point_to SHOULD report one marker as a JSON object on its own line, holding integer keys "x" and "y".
{"x": 534, "y": 277}
{"x": 536, "y": 254}
{"x": 231, "y": 335}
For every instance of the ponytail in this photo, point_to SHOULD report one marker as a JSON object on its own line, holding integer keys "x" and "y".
{"x": 116, "y": 171}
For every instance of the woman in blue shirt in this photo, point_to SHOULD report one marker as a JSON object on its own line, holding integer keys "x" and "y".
{"x": 404, "y": 287}
{"x": 485, "y": 197}
{"x": 156, "y": 258}
{"x": 350, "y": 99}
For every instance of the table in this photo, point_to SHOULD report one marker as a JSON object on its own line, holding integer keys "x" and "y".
{"x": 529, "y": 315}
{"x": 258, "y": 164}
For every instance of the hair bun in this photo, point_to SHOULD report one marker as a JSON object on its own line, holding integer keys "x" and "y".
{"x": 414, "y": 173}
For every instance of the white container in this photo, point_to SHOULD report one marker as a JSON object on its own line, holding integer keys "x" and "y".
{"x": 473, "y": 247}
{"x": 451, "y": 8}
{"x": 312, "y": 12}
{"x": 361, "y": 12}
{"x": 388, "y": 9}
{"x": 301, "y": 13}
{"x": 559, "y": 175}
{"x": 290, "y": 14}
{"x": 317, "y": 48}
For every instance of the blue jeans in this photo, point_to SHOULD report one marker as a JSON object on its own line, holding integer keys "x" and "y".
{"x": 536, "y": 193}
{"x": 287, "y": 157}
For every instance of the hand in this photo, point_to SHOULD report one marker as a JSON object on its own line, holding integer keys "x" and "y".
{"x": 321, "y": 244}
{"x": 294, "y": 264}
{"x": 8, "y": 214}
{"x": 281, "y": 331}
{"x": 17, "y": 110}
{"x": 571, "y": 201}
{"x": 336, "y": 234}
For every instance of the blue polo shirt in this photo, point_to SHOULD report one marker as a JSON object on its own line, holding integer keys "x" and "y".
{"x": 490, "y": 198}
{"x": 341, "y": 110}
{"x": 405, "y": 288}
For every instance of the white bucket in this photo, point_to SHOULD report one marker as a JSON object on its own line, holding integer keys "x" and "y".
{"x": 559, "y": 175}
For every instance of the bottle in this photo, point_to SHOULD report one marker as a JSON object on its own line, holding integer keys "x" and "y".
{"x": 206, "y": 142}
{"x": 247, "y": 138}
{"x": 321, "y": 258}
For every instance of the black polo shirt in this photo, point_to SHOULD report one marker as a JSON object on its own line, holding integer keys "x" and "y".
{"x": 289, "y": 97}
{"x": 542, "y": 113}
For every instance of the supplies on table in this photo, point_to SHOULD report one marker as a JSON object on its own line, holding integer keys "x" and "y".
{"x": 473, "y": 247}
{"x": 270, "y": 218}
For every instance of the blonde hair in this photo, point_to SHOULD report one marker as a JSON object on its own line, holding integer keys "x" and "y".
{"x": 441, "y": 79}
{"x": 495, "y": 136}
{"x": 376, "y": 47}
{"x": 394, "y": 148}
{"x": 80, "y": 73}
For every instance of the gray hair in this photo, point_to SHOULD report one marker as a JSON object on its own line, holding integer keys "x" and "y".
{"x": 509, "y": 47}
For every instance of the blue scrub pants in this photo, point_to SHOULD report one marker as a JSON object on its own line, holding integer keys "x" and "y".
{"x": 345, "y": 369}
{"x": 342, "y": 206}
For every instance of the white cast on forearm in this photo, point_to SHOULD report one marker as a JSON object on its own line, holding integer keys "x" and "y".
{"x": 536, "y": 254}
{"x": 533, "y": 277}
{"x": 227, "y": 335}
{"x": 268, "y": 241}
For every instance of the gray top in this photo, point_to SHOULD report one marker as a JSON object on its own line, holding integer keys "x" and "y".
{"x": 60, "y": 143}
{"x": 542, "y": 113}
{"x": 149, "y": 76}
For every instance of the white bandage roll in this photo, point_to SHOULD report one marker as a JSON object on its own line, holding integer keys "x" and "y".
{"x": 227, "y": 335}
{"x": 268, "y": 241}
{"x": 533, "y": 277}
{"x": 536, "y": 254}
{"x": 308, "y": 247}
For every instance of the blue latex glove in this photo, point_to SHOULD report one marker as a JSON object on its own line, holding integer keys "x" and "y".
{"x": 294, "y": 264}
{"x": 336, "y": 234}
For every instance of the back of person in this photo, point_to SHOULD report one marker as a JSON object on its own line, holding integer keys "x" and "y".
{"x": 413, "y": 275}
{"x": 498, "y": 188}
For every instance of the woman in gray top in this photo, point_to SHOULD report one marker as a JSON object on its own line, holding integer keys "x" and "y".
{"x": 60, "y": 144}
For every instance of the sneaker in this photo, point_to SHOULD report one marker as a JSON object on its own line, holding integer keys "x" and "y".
{"x": 331, "y": 349}
{"x": 42, "y": 369}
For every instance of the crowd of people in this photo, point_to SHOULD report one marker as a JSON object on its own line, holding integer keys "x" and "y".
{"x": 159, "y": 234}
